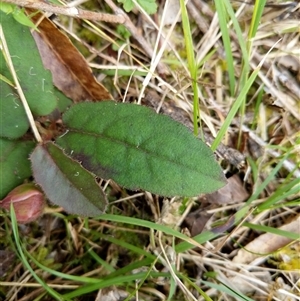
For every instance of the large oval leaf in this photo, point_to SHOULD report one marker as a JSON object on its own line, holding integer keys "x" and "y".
{"x": 65, "y": 182}
{"x": 140, "y": 149}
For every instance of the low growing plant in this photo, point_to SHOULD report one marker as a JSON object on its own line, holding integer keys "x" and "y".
{"x": 128, "y": 143}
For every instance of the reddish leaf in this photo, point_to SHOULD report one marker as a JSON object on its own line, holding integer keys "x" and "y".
{"x": 65, "y": 182}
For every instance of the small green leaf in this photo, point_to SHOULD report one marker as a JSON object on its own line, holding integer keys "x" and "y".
{"x": 15, "y": 166}
{"x": 20, "y": 17}
{"x": 65, "y": 182}
{"x": 123, "y": 31}
{"x": 128, "y": 5}
{"x": 149, "y": 6}
{"x": 7, "y": 7}
{"x": 17, "y": 13}
{"x": 140, "y": 149}
{"x": 63, "y": 102}
{"x": 6, "y": 80}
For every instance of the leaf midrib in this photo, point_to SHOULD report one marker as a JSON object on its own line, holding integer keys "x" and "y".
{"x": 176, "y": 162}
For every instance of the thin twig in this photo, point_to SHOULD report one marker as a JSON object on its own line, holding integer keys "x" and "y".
{"x": 69, "y": 11}
{"x": 18, "y": 87}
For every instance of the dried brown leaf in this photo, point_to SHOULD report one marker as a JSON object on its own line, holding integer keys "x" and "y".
{"x": 266, "y": 243}
{"x": 196, "y": 221}
{"x": 70, "y": 71}
{"x": 233, "y": 192}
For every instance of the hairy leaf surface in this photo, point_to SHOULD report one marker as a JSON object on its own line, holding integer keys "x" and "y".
{"x": 140, "y": 149}
{"x": 65, "y": 182}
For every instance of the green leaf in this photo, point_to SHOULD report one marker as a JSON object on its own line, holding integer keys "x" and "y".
{"x": 140, "y": 149}
{"x": 36, "y": 82}
{"x": 65, "y": 182}
{"x": 6, "y": 80}
{"x": 20, "y": 17}
{"x": 17, "y": 13}
{"x": 15, "y": 166}
{"x": 63, "y": 102}
{"x": 7, "y": 7}
{"x": 123, "y": 31}
{"x": 13, "y": 119}
{"x": 128, "y": 5}
{"x": 149, "y": 6}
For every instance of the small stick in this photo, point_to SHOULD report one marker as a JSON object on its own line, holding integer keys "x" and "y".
{"x": 69, "y": 11}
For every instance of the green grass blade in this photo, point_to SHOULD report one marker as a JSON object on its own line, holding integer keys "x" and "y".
{"x": 25, "y": 262}
{"x": 120, "y": 280}
{"x": 269, "y": 178}
{"x": 286, "y": 234}
{"x": 147, "y": 224}
{"x": 197, "y": 288}
{"x": 222, "y": 14}
{"x": 101, "y": 262}
{"x": 128, "y": 246}
{"x": 256, "y": 109}
{"x": 283, "y": 192}
{"x": 239, "y": 33}
{"x": 130, "y": 267}
{"x": 256, "y": 17}
{"x": 238, "y": 102}
{"x": 225, "y": 289}
{"x": 142, "y": 281}
{"x": 60, "y": 274}
{"x": 243, "y": 76}
{"x": 192, "y": 66}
